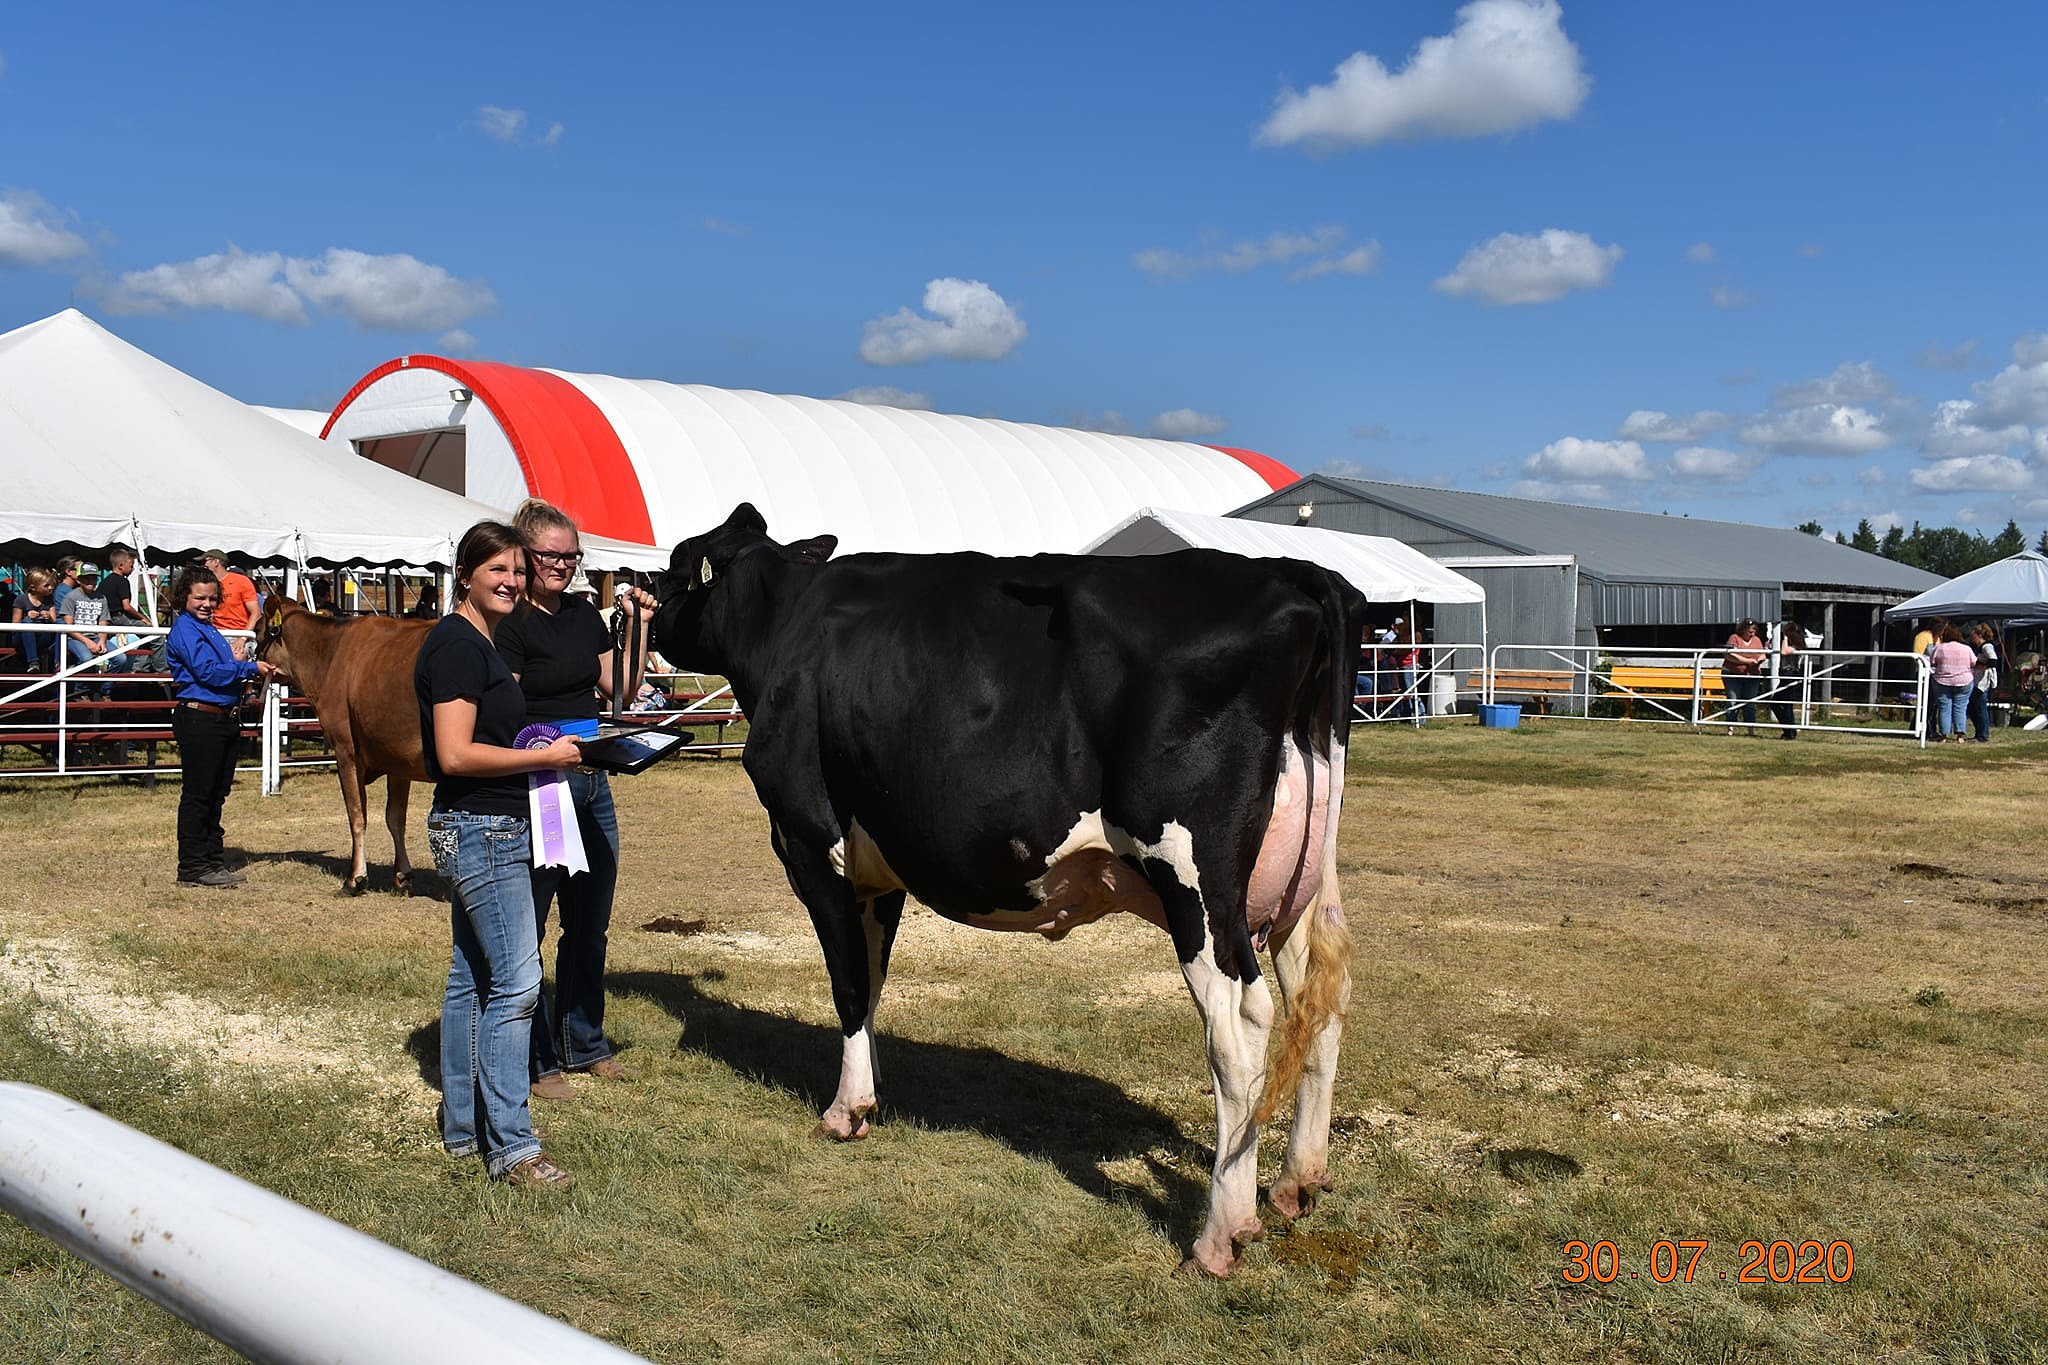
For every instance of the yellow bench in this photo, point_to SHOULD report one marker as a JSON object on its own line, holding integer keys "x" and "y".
{"x": 1631, "y": 683}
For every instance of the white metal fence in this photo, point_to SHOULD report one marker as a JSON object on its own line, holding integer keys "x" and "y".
{"x": 1865, "y": 692}
{"x": 270, "y": 1278}
{"x": 1385, "y": 690}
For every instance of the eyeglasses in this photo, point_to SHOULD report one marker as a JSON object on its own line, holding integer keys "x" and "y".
{"x": 569, "y": 557}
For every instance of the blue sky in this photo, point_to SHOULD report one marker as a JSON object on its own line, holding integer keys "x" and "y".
{"x": 1758, "y": 261}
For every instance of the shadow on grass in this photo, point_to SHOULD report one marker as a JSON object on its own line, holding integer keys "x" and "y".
{"x": 1072, "y": 1120}
{"x": 426, "y": 882}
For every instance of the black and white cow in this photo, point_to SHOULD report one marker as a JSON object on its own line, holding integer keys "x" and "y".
{"x": 1034, "y": 743}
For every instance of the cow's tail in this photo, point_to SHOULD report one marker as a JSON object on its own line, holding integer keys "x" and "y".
{"x": 1325, "y": 984}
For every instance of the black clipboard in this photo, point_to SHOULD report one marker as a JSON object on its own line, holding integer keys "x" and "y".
{"x": 629, "y": 749}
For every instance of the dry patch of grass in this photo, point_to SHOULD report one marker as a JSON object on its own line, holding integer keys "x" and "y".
{"x": 1609, "y": 985}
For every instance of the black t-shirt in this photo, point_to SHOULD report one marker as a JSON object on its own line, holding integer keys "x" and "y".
{"x": 114, "y": 587}
{"x": 555, "y": 656}
{"x": 458, "y": 662}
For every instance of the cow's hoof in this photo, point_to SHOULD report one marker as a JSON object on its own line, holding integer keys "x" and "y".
{"x": 843, "y": 1125}
{"x": 355, "y": 886}
{"x": 401, "y": 884}
{"x": 1216, "y": 1268}
{"x": 1295, "y": 1196}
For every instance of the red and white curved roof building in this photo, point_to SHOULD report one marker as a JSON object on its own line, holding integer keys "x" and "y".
{"x": 654, "y": 462}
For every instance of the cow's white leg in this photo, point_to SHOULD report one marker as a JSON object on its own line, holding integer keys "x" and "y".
{"x": 1313, "y": 956}
{"x": 1237, "y": 1017}
{"x": 853, "y": 1104}
{"x": 397, "y": 791}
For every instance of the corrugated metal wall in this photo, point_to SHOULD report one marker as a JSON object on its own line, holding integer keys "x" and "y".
{"x": 1679, "y": 604}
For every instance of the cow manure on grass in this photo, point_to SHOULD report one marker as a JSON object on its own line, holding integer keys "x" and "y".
{"x": 669, "y": 924}
{"x": 1337, "y": 1253}
{"x": 1532, "y": 1165}
{"x": 2014, "y": 905}
{"x": 1932, "y": 870}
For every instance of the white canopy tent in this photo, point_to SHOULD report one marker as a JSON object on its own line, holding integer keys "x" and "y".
{"x": 102, "y": 443}
{"x": 2013, "y": 589}
{"x": 1384, "y": 570}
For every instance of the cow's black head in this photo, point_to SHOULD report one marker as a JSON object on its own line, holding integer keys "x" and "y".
{"x": 700, "y": 569}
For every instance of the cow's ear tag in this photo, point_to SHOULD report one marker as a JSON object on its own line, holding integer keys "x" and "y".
{"x": 704, "y": 570}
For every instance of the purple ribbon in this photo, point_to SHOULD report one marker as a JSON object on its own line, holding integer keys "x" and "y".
{"x": 557, "y": 841}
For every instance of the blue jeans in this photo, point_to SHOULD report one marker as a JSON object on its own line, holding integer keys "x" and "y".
{"x": 493, "y": 982}
{"x": 82, "y": 654}
{"x": 569, "y": 1030}
{"x": 1980, "y": 715}
{"x": 1952, "y": 705}
{"x": 1741, "y": 690}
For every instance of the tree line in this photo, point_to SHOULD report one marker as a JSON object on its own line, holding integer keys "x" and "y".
{"x": 1946, "y": 550}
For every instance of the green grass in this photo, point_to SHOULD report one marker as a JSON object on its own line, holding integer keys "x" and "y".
{"x": 1609, "y": 986}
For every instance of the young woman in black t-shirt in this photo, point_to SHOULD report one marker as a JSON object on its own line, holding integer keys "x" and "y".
{"x": 471, "y": 712}
{"x": 559, "y": 648}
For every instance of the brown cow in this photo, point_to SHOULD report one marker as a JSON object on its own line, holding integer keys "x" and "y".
{"x": 358, "y": 675}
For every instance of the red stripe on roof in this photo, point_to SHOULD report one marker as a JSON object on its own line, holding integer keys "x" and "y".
{"x": 1276, "y": 475}
{"x": 566, "y": 450}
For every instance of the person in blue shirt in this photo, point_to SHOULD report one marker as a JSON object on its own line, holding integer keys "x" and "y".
{"x": 207, "y": 677}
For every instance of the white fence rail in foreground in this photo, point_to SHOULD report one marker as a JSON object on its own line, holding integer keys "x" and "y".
{"x": 270, "y": 1278}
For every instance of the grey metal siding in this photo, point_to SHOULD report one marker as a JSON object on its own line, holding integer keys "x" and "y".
{"x": 1674, "y": 604}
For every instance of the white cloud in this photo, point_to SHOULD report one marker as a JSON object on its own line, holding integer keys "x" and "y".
{"x": 503, "y": 124}
{"x": 1974, "y": 474}
{"x": 1651, "y": 425}
{"x": 1823, "y": 429}
{"x": 1872, "y": 476}
{"x": 887, "y": 396}
{"x": 456, "y": 341}
{"x": 1109, "y": 421}
{"x": 1954, "y": 430}
{"x": 1370, "y": 431}
{"x": 1277, "y": 248}
{"x": 1506, "y": 64}
{"x": 32, "y": 233}
{"x": 1811, "y": 250}
{"x": 969, "y": 321}
{"x": 1857, "y": 382}
{"x": 1702, "y": 253}
{"x": 231, "y": 281}
{"x": 509, "y": 126}
{"x": 398, "y": 292}
{"x": 1185, "y": 424}
{"x": 1956, "y": 358}
{"x": 1728, "y": 296}
{"x": 1704, "y": 464}
{"x": 726, "y": 227}
{"x": 1513, "y": 268}
{"x": 1571, "y": 459}
{"x": 2019, "y": 392}
{"x": 1360, "y": 260}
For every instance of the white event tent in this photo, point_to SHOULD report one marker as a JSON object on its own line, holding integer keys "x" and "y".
{"x": 1384, "y": 570}
{"x": 2012, "y": 589}
{"x": 102, "y": 443}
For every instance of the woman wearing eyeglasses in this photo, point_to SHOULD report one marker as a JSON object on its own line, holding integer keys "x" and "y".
{"x": 558, "y": 646}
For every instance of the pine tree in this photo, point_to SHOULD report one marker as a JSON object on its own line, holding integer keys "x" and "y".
{"x": 2007, "y": 543}
{"x": 1865, "y": 538}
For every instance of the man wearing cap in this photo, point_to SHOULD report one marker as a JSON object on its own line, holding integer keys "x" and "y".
{"x": 239, "y": 602}
{"x": 85, "y": 610}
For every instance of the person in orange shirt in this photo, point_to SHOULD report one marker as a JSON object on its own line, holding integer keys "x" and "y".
{"x": 240, "y": 603}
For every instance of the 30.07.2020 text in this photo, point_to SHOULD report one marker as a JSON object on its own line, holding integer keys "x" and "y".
{"x": 1779, "y": 1262}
